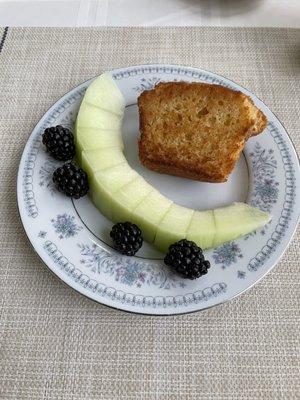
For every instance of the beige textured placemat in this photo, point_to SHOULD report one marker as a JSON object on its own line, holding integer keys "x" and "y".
{"x": 56, "y": 344}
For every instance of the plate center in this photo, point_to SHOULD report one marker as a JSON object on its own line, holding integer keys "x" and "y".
{"x": 186, "y": 192}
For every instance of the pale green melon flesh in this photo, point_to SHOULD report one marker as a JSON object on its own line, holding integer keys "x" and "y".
{"x": 90, "y": 116}
{"x": 149, "y": 212}
{"x": 237, "y": 220}
{"x": 104, "y": 93}
{"x": 173, "y": 226}
{"x": 102, "y": 200}
{"x": 202, "y": 229}
{"x": 99, "y": 159}
{"x": 105, "y": 183}
{"x": 128, "y": 197}
{"x": 93, "y": 139}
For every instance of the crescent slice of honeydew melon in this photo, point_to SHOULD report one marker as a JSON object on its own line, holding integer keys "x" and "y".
{"x": 104, "y": 93}
{"x": 237, "y": 220}
{"x": 118, "y": 190}
{"x": 105, "y": 183}
{"x": 99, "y": 159}
{"x": 208, "y": 228}
{"x": 173, "y": 226}
{"x": 202, "y": 229}
{"x": 230, "y": 222}
{"x": 98, "y": 123}
{"x": 126, "y": 199}
{"x": 90, "y": 116}
{"x": 149, "y": 212}
{"x": 122, "y": 195}
{"x": 93, "y": 139}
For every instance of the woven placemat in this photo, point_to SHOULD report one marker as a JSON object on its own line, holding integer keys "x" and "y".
{"x": 56, "y": 344}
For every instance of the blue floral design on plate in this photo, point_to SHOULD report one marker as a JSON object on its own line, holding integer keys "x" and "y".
{"x": 227, "y": 254}
{"x": 42, "y": 234}
{"x": 241, "y": 274}
{"x": 265, "y": 186}
{"x": 148, "y": 84}
{"x": 65, "y": 226}
{"x": 265, "y": 190}
{"x": 45, "y": 174}
{"x": 128, "y": 270}
{"x": 68, "y": 121}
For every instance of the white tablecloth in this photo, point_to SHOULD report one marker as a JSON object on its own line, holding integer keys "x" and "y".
{"x": 270, "y": 13}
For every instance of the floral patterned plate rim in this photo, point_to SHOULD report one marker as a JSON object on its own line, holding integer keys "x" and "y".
{"x": 72, "y": 237}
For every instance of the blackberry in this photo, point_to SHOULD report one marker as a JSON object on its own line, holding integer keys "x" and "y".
{"x": 59, "y": 142}
{"x": 71, "y": 180}
{"x": 187, "y": 259}
{"x": 127, "y": 238}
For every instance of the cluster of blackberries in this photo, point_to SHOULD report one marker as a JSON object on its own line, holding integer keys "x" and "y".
{"x": 185, "y": 257}
{"x": 69, "y": 179}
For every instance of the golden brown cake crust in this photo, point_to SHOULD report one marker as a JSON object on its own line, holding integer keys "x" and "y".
{"x": 195, "y": 130}
{"x": 172, "y": 170}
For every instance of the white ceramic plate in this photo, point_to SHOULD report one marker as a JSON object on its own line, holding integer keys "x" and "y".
{"x": 72, "y": 237}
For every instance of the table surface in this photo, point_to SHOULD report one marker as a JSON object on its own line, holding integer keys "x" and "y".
{"x": 56, "y": 344}
{"x": 270, "y": 13}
